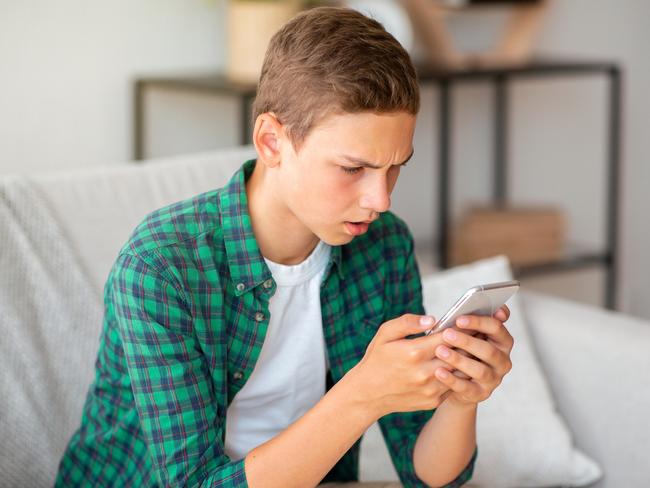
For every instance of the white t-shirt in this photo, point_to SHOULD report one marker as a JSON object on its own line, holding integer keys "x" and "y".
{"x": 289, "y": 376}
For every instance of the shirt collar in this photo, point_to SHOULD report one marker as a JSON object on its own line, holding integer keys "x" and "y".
{"x": 245, "y": 261}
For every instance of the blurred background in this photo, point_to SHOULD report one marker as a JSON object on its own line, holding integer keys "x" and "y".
{"x": 70, "y": 70}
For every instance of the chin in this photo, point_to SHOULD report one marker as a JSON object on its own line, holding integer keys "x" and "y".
{"x": 338, "y": 239}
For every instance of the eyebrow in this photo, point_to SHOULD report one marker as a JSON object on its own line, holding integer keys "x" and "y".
{"x": 367, "y": 164}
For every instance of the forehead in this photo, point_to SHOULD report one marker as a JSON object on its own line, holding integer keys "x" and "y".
{"x": 364, "y": 132}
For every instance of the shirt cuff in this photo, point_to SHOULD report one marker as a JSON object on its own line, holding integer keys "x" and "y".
{"x": 231, "y": 475}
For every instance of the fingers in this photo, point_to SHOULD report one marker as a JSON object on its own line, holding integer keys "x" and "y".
{"x": 486, "y": 356}
{"x": 475, "y": 369}
{"x": 401, "y": 327}
{"x": 427, "y": 344}
{"x": 436, "y": 363}
{"x": 481, "y": 372}
{"x": 503, "y": 314}
{"x": 464, "y": 388}
{"x": 491, "y": 327}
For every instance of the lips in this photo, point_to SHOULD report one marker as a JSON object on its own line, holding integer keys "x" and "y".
{"x": 357, "y": 228}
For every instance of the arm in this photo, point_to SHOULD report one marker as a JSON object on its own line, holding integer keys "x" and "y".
{"x": 180, "y": 419}
{"x": 306, "y": 451}
{"x": 437, "y": 446}
{"x": 449, "y": 439}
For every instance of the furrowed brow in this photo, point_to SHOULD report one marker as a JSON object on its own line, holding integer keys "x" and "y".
{"x": 367, "y": 164}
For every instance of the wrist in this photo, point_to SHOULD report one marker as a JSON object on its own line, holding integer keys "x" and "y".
{"x": 353, "y": 387}
{"x": 457, "y": 404}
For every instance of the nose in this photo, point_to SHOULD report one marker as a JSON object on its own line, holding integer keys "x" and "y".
{"x": 377, "y": 196}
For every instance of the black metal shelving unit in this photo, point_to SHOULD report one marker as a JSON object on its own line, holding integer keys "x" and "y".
{"x": 213, "y": 84}
{"x": 218, "y": 85}
{"x": 500, "y": 78}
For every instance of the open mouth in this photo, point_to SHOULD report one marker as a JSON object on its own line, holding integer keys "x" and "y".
{"x": 357, "y": 228}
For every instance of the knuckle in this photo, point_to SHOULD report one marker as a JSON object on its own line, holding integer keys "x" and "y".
{"x": 508, "y": 366}
{"x": 414, "y": 355}
{"x": 410, "y": 318}
{"x": 483, "y": 373}
{"x": 429, "y": 392}
{"x": 422, "y": 378}
{"x": 493, "y": 354}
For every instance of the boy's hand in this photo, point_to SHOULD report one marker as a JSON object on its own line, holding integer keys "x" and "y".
{"x": 484, "y": 358}
{"x": 398, "y": 374}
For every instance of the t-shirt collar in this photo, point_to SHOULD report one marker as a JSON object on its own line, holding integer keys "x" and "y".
{"x": 245, "y": 261}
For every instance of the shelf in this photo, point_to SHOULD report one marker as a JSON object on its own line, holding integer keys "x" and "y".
{"x": 536, "y": 67}
{"x": 200, "y": 82}
{"x": 576, "y": 257}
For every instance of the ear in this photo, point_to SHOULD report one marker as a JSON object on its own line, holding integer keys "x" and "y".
{"x": 267, "y": 138}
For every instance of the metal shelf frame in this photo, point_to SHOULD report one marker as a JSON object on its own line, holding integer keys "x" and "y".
{"x": 500, "y": 79}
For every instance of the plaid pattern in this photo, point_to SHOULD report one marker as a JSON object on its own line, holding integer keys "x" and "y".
{"x": 186, "y": 312}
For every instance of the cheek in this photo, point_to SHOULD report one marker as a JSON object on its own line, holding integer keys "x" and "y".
{"x": 332, "y": 196}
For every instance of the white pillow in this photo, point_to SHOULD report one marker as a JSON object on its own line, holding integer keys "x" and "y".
{"x": 522, "y": 440}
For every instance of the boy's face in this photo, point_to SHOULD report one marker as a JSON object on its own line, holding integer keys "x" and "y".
{"x": 329, "y": 187}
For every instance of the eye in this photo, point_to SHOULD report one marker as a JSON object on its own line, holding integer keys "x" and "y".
{"x": 351, "y": 171}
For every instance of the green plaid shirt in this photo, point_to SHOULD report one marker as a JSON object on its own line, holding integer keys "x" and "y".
{"x": 186, "y": 312}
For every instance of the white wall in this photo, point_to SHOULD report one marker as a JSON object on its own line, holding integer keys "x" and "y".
{"x": 66, "y": 69}
{"x": 65, "y": 101}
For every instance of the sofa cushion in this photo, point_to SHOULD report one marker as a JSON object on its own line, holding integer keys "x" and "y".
{"x": 99, "y": 208}
{"x": 598, "y": 366}
{"x": 522, "y": 439}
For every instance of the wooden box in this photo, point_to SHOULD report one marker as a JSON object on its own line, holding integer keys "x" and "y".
{"x": 251, "y": 24}
{"x": 527, "y": 235}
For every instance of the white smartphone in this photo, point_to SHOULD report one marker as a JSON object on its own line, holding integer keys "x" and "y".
{"x": 478, "y": 300}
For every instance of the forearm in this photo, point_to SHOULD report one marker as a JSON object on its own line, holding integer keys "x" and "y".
{"x": 445, "y": 444}
{"x": 303, "y": 454}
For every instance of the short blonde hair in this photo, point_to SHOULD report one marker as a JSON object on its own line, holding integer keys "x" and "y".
{"x": 333, "y": 60}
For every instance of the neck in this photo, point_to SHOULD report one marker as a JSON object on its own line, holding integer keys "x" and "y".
{"x": 281, "y": 237}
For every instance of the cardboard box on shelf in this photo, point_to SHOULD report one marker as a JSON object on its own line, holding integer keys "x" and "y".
{"x": 527, "y": 235}
{"x": 251, "y": 24}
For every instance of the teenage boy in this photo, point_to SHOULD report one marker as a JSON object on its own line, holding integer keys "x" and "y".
{"x": 253, "y": 333}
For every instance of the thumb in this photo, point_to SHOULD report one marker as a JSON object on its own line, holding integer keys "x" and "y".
{"x": 403, "y": 326}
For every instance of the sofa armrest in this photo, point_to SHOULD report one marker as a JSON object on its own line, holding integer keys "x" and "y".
{"x": 598, "y": 366}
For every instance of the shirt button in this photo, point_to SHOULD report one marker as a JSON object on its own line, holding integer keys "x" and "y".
{"x": 268, "y": 283}
{"x": 259, "y": 316}
{"x": 241, "y": 287}
{"x": 238, "y": 375}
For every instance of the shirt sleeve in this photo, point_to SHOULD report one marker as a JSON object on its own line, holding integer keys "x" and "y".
{"x": 170, "y": 379}
{"x": 401, "y": 429}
